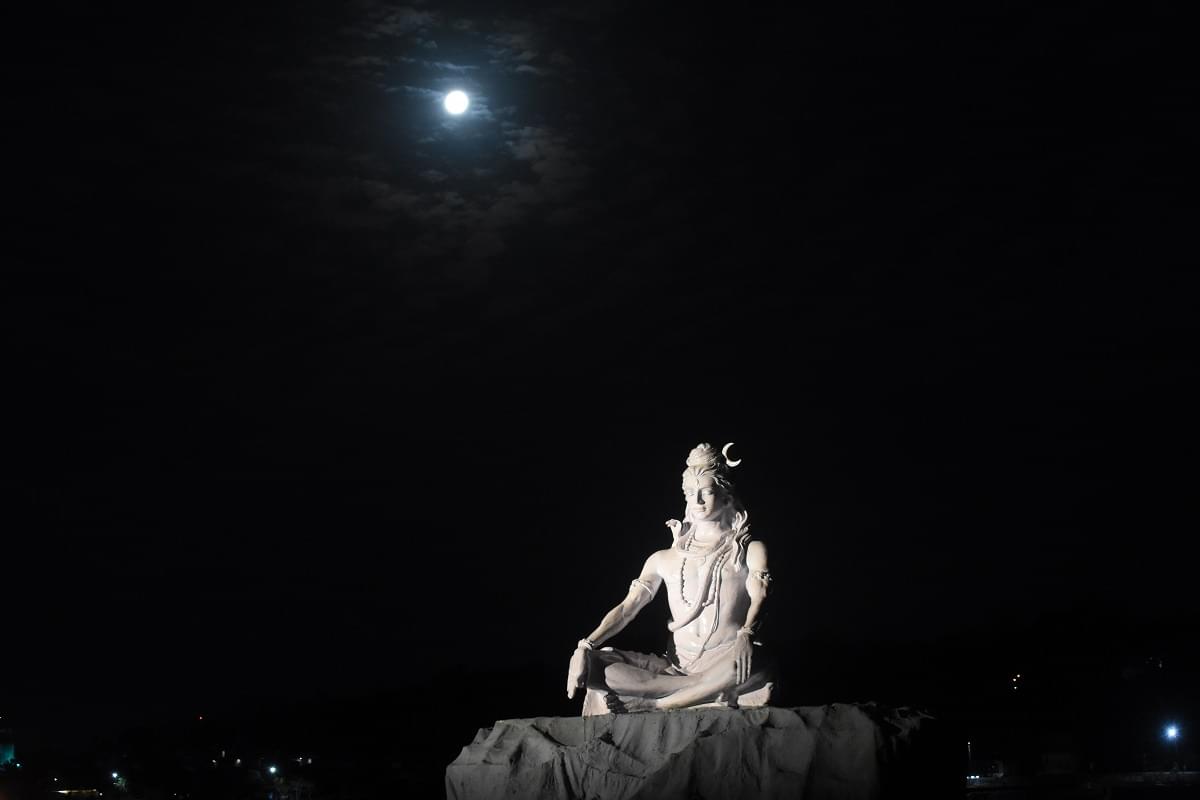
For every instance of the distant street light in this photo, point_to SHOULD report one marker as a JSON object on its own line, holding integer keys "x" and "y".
{"x": 272, "y": 770}
{"x": 1172, "y": 736}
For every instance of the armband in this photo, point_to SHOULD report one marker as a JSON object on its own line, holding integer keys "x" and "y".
{"x": 641, "y": 584}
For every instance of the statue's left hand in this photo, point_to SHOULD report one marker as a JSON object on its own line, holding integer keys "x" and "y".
{"x": 743, "y": 657}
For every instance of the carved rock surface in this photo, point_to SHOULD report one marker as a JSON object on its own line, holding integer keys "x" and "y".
{"x": 833, "y": 751}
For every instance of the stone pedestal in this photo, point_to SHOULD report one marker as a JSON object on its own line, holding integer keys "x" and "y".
{"x": 834, "y": 751}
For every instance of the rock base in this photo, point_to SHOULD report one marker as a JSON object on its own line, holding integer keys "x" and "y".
{"x": 834, "y": 751}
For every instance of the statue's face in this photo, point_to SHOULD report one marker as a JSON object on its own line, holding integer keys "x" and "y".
{"x": 705, "y": 500}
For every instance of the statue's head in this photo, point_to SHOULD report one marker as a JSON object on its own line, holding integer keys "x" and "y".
{"x": 707, "y": 488}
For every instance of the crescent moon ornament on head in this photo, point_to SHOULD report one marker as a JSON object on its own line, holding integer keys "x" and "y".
{"x": 725, "y": 452}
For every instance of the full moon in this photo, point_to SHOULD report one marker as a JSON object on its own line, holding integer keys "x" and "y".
{"x": 456, "y": 102}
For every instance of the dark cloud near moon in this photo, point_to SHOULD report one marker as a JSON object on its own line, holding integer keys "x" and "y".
{"x": 447, "y": 195}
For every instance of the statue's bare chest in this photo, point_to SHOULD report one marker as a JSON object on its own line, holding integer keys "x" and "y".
{"x": 695, "y": 577}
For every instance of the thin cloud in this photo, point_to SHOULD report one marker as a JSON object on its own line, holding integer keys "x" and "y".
{"x": 438, "y": 65}
{"x": 454, "y": 193}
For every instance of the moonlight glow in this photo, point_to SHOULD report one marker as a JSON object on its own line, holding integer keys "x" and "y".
{"x": 456, "y": 102}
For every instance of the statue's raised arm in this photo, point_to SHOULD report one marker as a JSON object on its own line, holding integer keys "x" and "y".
{"x": 716, "y": 579}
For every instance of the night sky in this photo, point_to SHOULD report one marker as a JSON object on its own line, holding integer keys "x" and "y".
{"x": 317, "y": 392}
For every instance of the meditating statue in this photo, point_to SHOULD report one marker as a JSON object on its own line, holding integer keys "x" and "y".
{"x": 716, "y": 581}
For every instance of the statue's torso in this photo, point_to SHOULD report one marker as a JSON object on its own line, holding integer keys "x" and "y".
{"x": 718, "y": 622}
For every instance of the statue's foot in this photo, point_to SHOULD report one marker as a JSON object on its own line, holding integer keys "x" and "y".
{"x": 628, "y": 705}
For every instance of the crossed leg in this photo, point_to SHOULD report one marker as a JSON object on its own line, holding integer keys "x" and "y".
{"x": 636, "y": 682}
{"x": 625, "y": 679}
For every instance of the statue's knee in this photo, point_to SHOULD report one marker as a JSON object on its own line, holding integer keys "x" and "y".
{"x": 617, "y": 676}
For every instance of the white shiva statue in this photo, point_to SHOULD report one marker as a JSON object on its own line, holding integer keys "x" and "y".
{"x": 716, "y": 581}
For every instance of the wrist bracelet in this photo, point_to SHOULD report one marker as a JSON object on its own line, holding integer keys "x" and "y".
{"x": 746, "y": 630}
{"x": 586, "y": 644}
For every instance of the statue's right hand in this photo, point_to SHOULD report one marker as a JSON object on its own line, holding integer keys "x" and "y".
{"x": 676, "y": 527}
{"x": 577, "y": 672}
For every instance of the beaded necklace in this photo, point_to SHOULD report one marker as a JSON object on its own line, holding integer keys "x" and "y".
{"x": 719, "y": 547}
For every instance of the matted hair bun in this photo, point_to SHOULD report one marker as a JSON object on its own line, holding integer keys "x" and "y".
{"x": 704, "y": 457}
